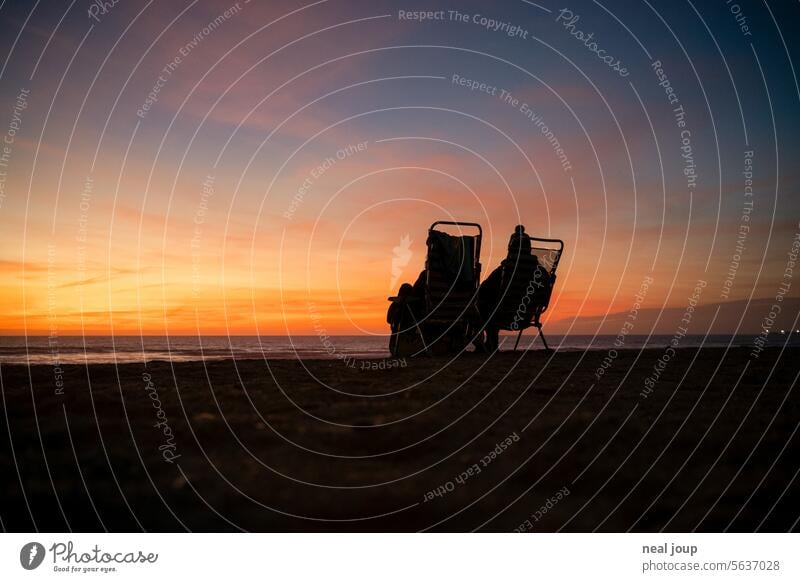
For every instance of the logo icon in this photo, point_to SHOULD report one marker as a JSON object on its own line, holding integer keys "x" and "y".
{"x": 31, "y": 555}
{"x": 401, "y": 255}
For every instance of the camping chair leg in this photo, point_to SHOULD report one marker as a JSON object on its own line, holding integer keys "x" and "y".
{"x": 544, "y": 341}
{"x": 519, "y": 335}
{"x": 421, "y": 336}
{"x": 422, "y": 339}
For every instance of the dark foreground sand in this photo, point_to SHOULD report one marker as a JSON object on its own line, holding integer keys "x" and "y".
{"x": 271, "y": 448}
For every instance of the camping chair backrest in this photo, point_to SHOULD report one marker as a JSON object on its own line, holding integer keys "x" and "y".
{"x": 548, "y": 252}
{"x": 527, "y": 284}
{"x": 453, "y": 272}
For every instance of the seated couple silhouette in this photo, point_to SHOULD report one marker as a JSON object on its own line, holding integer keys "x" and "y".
{"x": 448, "y": 307}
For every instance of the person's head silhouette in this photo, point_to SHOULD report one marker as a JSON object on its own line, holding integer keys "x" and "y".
{"x": 520, "y": 242}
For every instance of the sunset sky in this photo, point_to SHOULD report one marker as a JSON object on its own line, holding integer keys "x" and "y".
{"x": 286, "y": 149}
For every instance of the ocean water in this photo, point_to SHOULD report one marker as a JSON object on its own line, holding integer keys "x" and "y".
{"x": 127, "y": 349}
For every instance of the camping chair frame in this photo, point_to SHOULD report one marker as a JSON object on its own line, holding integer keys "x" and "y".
{"x": 432, "y": 304}
{"x": 534, "y": 318}
{"x": 463, "y": 301}
{"x": 476, "y": 258}
{"x": 408, "y": 305}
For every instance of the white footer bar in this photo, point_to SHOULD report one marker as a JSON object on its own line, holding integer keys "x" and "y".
{"x": 400, "y": 557}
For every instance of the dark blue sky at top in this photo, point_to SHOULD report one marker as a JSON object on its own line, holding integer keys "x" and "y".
{"x": 695, "y": 62}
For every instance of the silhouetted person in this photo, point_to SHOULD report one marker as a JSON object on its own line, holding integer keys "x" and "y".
{"x": 397, "y": 308}
{"x": 490, "y": 293}
{"x": 406, "y": 310}
{"x": 488, "y": 298}
{"x": 419, "y": 285}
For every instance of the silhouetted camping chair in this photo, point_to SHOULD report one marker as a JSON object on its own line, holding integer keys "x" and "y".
{"x": 452, "y": 274}
{"x": 526, "y": 286}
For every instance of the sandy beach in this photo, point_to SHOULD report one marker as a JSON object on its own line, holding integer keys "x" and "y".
{"x": 526, "y": 442}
